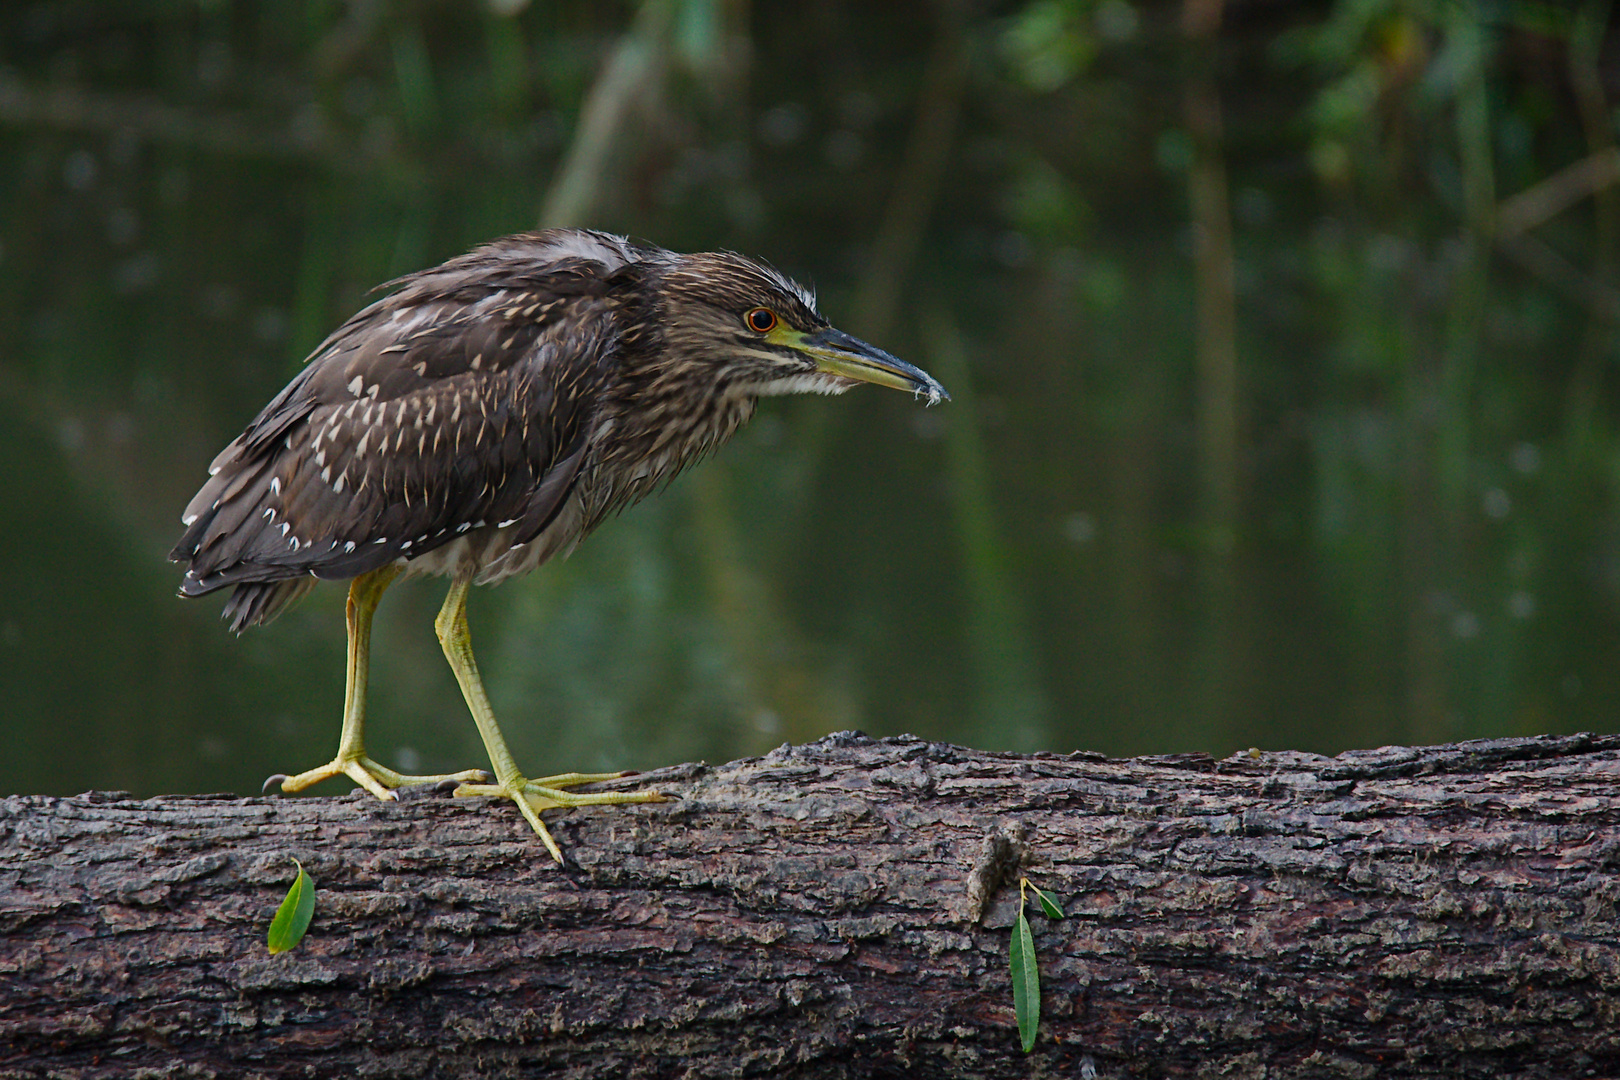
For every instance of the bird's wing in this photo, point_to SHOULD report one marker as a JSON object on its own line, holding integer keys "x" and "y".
{"x": 428, "y": 415}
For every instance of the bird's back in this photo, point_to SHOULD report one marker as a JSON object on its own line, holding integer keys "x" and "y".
{"x": 452, "y": 417}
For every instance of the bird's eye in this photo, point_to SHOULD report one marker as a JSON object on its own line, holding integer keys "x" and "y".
{"x": 761, "y": 320}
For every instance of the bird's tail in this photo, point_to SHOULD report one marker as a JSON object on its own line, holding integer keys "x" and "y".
{"x": 254, "y": 603}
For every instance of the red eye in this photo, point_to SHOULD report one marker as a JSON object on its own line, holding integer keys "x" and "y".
{"x": 761, "y": 320}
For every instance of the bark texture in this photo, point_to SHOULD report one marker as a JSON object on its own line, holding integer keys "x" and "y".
{"x": 844, "y": 909}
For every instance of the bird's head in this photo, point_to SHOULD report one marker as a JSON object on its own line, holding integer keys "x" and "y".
{"x": 758, "y": 333}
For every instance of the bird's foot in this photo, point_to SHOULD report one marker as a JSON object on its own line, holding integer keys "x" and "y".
{"x": 378, "y": 779}
{"x": 550, "y": 793}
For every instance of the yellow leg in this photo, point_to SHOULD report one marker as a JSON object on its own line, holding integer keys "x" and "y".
{"x": 364, "y": 593}
{"x": 531, "y": 796}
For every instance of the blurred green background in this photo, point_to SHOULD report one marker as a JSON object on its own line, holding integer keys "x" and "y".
{"x": 1282, "y": 336}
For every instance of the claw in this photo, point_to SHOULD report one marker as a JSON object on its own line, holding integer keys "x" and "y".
{"x": 273, "y": 780}
{"x": 446, "y": 787}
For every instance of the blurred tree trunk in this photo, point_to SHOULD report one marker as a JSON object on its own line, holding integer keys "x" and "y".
{"x": 1216, "y": 283}
{"x": 1223, "y": 637}
{"x": 634, "y": 71}
{"x": 910, "y": 204}
{"x": 1009, "y": 707}
{"x": 843, "y": 909}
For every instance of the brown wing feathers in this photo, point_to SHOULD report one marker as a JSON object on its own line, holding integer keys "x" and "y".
{"x": 418, "y": 420}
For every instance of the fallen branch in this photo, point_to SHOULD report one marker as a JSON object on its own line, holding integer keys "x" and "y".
{"x": 843, "y": 909}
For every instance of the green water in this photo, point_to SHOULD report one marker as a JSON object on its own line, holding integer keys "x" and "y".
{"x": 1373, "y": 496}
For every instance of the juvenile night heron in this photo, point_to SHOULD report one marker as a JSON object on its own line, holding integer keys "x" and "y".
{"x": 486, "y": 416}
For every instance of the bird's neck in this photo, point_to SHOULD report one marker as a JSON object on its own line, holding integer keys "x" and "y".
{"x": 665, "y": 406}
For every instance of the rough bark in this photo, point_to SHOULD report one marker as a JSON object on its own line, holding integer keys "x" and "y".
{"x": 844, "y": 909}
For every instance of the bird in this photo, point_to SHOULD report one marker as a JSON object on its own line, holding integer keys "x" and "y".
{"x": 484, "y": 416}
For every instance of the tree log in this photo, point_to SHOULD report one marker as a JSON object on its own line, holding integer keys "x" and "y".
{"x": 844, "y": 909}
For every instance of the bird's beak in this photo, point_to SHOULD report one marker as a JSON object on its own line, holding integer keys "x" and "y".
{"x": 837, "y": 353}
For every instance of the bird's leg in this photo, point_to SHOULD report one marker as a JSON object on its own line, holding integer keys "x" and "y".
{"x": 531, "y": 796}
{"x": 365, "y": 592}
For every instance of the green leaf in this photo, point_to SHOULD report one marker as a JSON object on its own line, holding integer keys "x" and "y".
{"x": 1026, "y": 982}
{"x": 1048, "y": 905}
{"x": 292, "y": 918}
